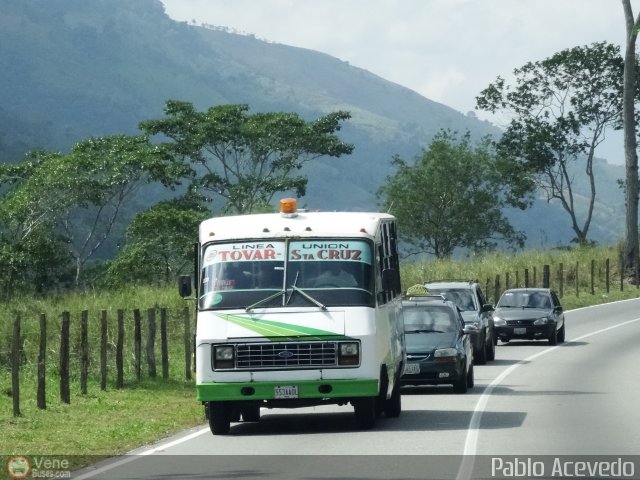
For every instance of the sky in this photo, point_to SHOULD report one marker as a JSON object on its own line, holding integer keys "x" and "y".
{"x": 446, "y": 50}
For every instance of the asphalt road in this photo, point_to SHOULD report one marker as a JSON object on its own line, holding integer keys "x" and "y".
{"x": 535, "y": 409}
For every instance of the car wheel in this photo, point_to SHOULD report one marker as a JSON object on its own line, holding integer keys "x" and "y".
{"x": 470, "y": 378}
{"x": 491, "y": 350}
{"x": 480, "y": 356}
{"x": 460, "y": 385}
{"x": 219, "y": 417}
{"x": 561, "y": 334}
{"x": 365, "y": 411}
{"x": 553, "y": 337}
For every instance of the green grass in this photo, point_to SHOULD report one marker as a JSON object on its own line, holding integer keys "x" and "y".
{"x": 103, "y": 423}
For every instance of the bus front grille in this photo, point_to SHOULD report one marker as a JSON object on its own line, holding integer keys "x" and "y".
{"x": 286, "y": 355}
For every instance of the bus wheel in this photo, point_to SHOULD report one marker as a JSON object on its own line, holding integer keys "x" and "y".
{"x": 251, "y": 413}
{"x": 365, "y": 410}
{"x": 393, "y": 406}
{"x": 219, "y": 417}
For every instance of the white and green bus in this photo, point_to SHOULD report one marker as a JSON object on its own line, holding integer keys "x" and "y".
{"x": 298, "y": 309}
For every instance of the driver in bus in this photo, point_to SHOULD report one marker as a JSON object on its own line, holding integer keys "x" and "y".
{"x": 335, "y": 276}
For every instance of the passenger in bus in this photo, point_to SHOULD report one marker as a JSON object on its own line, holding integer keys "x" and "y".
{"x": 233, "y": 277}
{"x": 269, "y": 278}
{"x": 333, "y": 275}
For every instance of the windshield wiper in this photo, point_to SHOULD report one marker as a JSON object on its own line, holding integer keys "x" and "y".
{"x": 307, "y": 296}
{"x": 304, "y": 294}
{"x": 264, "y": 300}
{"x": 424, "y": 330}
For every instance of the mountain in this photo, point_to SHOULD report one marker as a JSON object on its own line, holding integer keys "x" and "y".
{"x": 79, "y": 68}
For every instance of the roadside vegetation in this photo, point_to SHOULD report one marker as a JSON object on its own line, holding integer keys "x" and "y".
{"x": 114, "y": 421}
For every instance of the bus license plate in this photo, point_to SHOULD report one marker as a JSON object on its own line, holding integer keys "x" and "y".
{"x": 519, "y": 331}
{"x": 412, "y": 368}
{"x": 287, "y": 391}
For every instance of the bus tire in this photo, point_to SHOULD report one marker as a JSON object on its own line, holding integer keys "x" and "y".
{"x": 393, "y": 406}
{"x": 365, "y": 411}
{"x": 219, "y": 417}
{"x": 251, "y": 413}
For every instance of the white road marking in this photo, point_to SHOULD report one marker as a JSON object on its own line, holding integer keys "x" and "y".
{"x": 471, "y": 443}
{"x": 135, "y": 456}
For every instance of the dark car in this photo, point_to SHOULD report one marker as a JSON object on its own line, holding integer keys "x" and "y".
{"x": 439, "y": 352}
{"x": 476, "y": 312}
{"x": 529, "y": 314}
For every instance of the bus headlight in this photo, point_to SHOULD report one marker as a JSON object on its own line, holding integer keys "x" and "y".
{"x": 223, "y": 356}
{"x": 349, "y": 353}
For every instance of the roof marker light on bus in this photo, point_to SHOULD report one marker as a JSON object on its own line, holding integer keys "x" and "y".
{"x": 363, "y": 230}
{"x": 288, "y": 207}
{"x": 308, "y": 229}
{"x": 265, "y": 229}
{"x": 211, "y": 234}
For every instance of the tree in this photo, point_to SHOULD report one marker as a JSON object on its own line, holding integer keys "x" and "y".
{"x": 560, "y": 111}
{"x": 630, "y": 142}
{"x": 245, "y": 159}
{"x": 452, "y": 197}
{"x": 159, "y": 243}
{"x": 32, "y": 256}
{"x": 78, "y": 197}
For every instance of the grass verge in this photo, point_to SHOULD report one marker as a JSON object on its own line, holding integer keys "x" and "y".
{"x": 100, "y": 423}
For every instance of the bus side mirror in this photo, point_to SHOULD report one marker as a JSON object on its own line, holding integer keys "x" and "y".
{"x": 389, "y": 279}
{"x": 184, "y": 285}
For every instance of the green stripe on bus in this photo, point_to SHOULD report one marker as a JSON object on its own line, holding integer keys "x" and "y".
{"x": 269, "y": 328}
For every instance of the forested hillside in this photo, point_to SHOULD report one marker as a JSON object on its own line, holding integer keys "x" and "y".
{"x": 79, "y": 68}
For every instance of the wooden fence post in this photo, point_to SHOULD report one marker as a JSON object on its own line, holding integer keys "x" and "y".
{"x": 546, "y": 276}
{"x": 535, "y": 277}
{"x": 593, "y": 273}
{"x": 120, "y": 351}
{"x": 65, "y": 393}
{"x": 561, "y": 279}
{"x": 621, "y": 270}
{"x": 42, "y": 359}
{"x": 137, "y": 341}
{"x": 607, "y": 269}
{"x": 103, "y": 350}
{"x": 577, "y": 280}
{"x": 84, "y": 351}
{"x": 164, "y": 350}
{"x": 526, "y": 278}
{"x": 507, "y": 281}
{"x": 15, "y": 366}
{"x": 496, "y": 288}
{"x": 187, "y": 342}
{"x": 151, "y": 339}
{"x": 486, "y": 289}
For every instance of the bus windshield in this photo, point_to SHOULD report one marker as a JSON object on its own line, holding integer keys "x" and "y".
{"x": 334, "y": 272}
